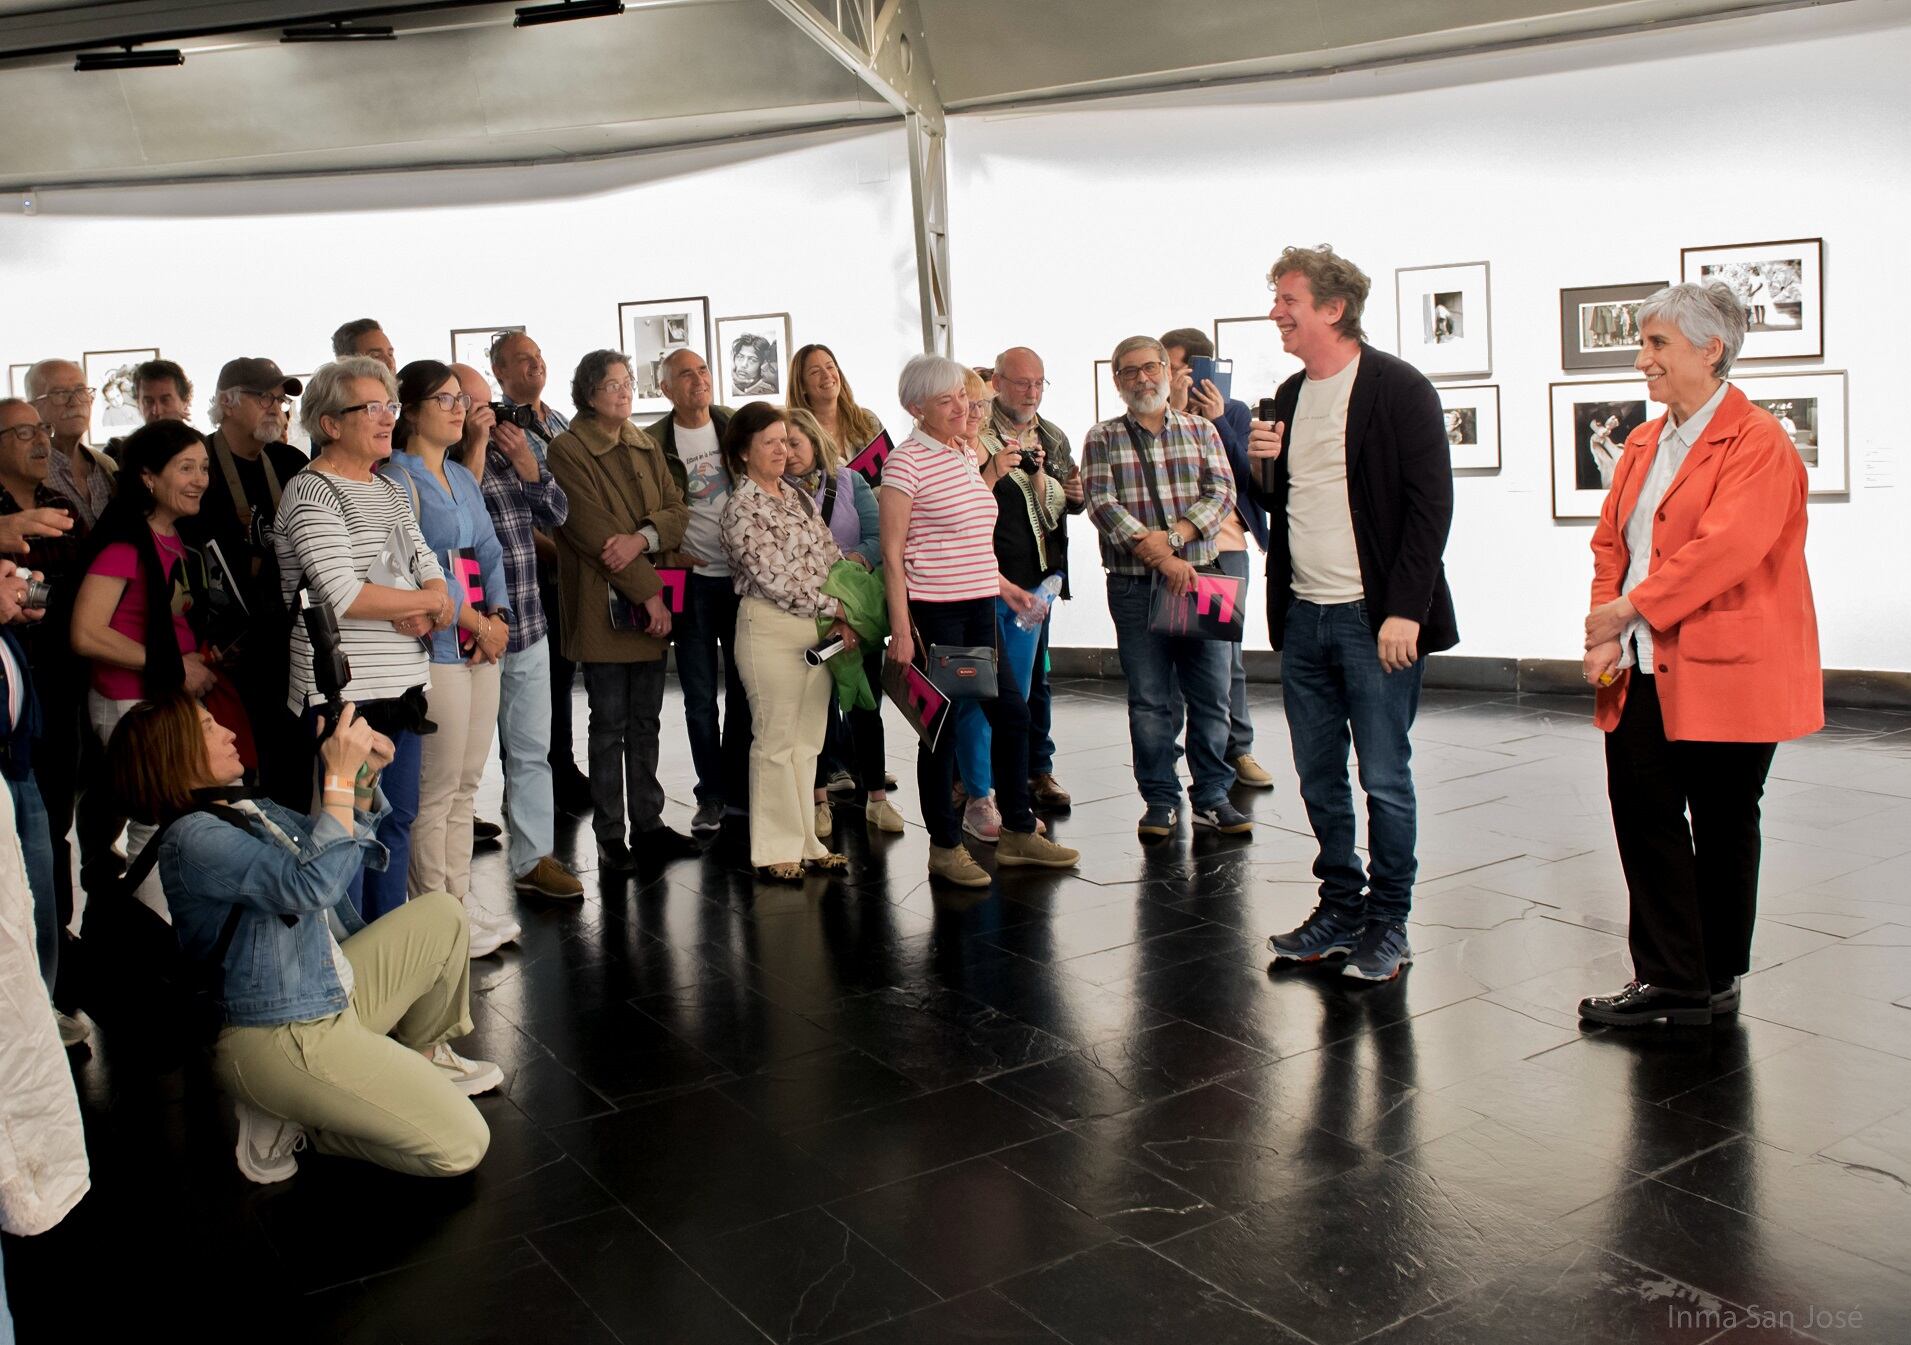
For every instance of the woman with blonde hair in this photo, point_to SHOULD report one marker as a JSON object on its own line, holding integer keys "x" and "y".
{"x": 817, "y": 386}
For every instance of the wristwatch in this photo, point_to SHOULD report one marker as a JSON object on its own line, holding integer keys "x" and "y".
{"x": 1176, "y": 541}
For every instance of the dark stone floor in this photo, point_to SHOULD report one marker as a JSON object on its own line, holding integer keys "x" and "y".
{"x": 1082, "y": 1108}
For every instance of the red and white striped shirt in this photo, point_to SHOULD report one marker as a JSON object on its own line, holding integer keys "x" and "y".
{"x": 949, "y": 555}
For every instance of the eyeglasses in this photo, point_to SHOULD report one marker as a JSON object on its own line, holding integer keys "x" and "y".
{"x": 1023, "y": 385}
{"x": 389, "y": 410}
{"x": 27, "y": 434}
{"x": 274, "y": 401}
{"x": 977, "y": 408}
{"x": 446, "y": 401}
{"x": 67, "y": 395}
{"x": 1152, "y": 369}
{"x": 614, "y": 387}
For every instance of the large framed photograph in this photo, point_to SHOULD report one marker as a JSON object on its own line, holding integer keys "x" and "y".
{"x": 1590, "y": 423}
{"x": 1599, "y": 325}
{"x": 1260, "y": 365}
{"x": 1472, "y": 412}
{"x": 750, "y": 354}
{"x": 1107, "y": 397}
{"x": 17, "y": 379}
{"x": 649, "y": 331}
{"x": 116, "y": 395}
{"x": 1781, "y": 286}
{"x": 1810, "y": 407}
{"x": 1446, "y": 319}
{"x": 472, "y": 346}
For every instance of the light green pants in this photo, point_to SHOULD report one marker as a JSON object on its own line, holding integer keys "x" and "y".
{"x": 357, "y": 1091}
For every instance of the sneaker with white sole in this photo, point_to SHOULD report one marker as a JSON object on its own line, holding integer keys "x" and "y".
{"x": 267, "y": 1145}
{"x": 470, "y": 1077}
{"x": 1223, "y": 817}
{"x": 1383, "y": 950}
{"x": 825, "y": 820}
{"x": 709, "y": 817}
{"x": 982, "y": 820}
{"x": 1158, "y": 821}
{"x": 882, "y": 815}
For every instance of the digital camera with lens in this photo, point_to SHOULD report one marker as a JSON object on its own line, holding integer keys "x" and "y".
{"x": 524, "y": 417}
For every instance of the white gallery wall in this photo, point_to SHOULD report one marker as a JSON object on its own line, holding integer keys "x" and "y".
{"x": 1586, "y": 164}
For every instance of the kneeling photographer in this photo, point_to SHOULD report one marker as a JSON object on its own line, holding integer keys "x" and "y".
{"x": 308, "y": 991}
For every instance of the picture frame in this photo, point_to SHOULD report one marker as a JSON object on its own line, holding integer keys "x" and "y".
{"x": 472, "y": 346}
{"x": 1260, "y": 364}
{"x": 649, "y": 331}
{"x": 751, "y": 350}
{"x": 17, "y": 379}
{"x": 1590, "y": 421}
{"x": 1472, "y": 413}
{"x": 1599, "y": 325}
{"x": 1781, "y": 285}
{"x": 1811, "y": 406}
{"x": 295, "y": 434}
{"x": 1446, "y": 319}
{"x": 116, "y": 396}
{"x": 1107, "y": 398}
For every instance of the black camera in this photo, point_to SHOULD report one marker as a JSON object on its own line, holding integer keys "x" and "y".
{"x": 521, "y": 416}
{"x": 331, "y": 670}
{"x": 39, "y": 594}
{"x": 1026, "y": 462}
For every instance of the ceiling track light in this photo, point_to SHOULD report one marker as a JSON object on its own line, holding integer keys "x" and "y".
{"x": 337, "y": 32}
{"x": 532, "y": 15}
{"x": 128, "y": 59}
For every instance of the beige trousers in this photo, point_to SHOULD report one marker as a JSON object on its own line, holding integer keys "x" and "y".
{"x": 464, "y": 705}
{"x": 357, "y": 1091}
{"x": 789, "y": 705}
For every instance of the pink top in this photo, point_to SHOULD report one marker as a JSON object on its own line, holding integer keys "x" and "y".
{"x": 949, "y": 555}
{"x": 119, "y": 561}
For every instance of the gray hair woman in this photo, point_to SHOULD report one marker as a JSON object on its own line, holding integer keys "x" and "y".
{"x": 1703, "y": 644}
{"x": 347, "y": 535}
{"x": 942, "y": 581}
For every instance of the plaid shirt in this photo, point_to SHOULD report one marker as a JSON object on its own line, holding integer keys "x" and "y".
{"x": 518, "y": 507}
{"x": 1189, "y": 468}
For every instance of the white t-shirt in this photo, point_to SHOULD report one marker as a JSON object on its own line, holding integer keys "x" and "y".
{"x": 707, "y": 489}
{"x": 1320, "y": 523}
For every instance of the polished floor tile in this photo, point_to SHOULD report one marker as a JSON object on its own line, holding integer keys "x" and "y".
{"x": 1082, "y": 1107}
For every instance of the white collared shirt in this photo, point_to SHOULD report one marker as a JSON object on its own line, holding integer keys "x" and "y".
{"x": 1675, "y": 443}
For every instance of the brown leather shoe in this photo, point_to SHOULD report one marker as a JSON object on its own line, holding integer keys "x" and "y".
{"x": 550, "y": 879}
{"x": 1043, "y": 792}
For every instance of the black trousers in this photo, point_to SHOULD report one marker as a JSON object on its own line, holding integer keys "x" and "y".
{"x": 563, "y": 755}
{"x": 1686, "y": 815}
{"x": 972, "y": 622}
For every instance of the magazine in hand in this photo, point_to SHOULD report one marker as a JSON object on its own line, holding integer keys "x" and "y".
{"x": 628, "y": 615}
{"x": 466, "y": 582}
{"x": 1211, "y": 610}
{"x": 870, "y": 461}
{"x": 920, "y": 700}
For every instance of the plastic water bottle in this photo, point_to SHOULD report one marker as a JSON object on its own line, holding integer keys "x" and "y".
{"x": 1046, "y": 591}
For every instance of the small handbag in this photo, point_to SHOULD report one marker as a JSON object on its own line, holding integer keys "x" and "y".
{"x": 961, "y": 672}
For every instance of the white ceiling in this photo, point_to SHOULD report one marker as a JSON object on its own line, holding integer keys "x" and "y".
{"x": 462, "y": 86}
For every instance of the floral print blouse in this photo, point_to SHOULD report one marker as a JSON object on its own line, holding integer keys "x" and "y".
{"x": 780, "y": 549}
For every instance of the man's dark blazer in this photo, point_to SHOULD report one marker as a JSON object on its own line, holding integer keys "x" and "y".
{"x": 1399, "y": 490}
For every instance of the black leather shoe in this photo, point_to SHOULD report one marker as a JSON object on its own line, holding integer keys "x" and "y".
{"x": 1725, "y": 999}
{"x": 1640, "y": 1003}
{"x": 483, "y": 832}
{"x": 614, "y": 857}
{"x": 571, "y": 790}
{"x": 660, "y": 845}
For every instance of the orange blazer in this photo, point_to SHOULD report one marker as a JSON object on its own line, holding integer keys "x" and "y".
{"x": 1734, "y": 632}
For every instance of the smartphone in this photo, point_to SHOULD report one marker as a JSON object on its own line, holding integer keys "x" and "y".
{"x": 1218, "y": 372}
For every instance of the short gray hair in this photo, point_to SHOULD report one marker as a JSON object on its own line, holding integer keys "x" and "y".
{"x": 35, "y": 380}
{"x": 927, "y": 376}
{"x": 1128, "y": 343}
{"x": 325, "y": 393}
{"x": 345, "y": 339}
{"x": 590, "y": 372}
{"x": 1701, "y": 312}
{"x": 665, "y": 364}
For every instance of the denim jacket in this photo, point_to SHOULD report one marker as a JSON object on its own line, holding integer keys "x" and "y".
{"x": 275, "y": 971}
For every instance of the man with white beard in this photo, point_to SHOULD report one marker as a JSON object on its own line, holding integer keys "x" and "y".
{"x": 1158, "y": 486}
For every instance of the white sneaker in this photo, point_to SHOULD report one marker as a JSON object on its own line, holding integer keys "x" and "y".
{"x": 266, "y": 1145}
{"x": 488, "y": 932}
{"x": 470, "y": 1077}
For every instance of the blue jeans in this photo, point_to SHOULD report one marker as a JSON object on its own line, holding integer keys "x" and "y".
{"x": 1335, "y": 693}
{"x": 1240, "y": 723}
{"x": 373, "y": 893}
{"x": 721, "y": 756}
{"x": 973, "y": 740}
{"x": 1164, "y": 672}
{"x": 1041, "y": 710}
{"x": 524, "y": 742}
{"x": 972, "y": 622}
{"x": 36, "y": 848}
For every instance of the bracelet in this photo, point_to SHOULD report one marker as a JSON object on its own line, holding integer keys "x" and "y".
{"x": 336, "y": 782}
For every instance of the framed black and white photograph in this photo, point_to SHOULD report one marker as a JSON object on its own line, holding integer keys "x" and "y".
{"x": 1599, "y": 325}
{"x": 649, "y": 331}
{"x": 17, "y": 379}
{"x": 472, "y": 346}
{"x": 1446, "y": 319}
{"x": 1810, "y": 407}
{"x": 115, "y": 395}
{"x": 1472, "y": 412}
{"x": 1590, "y": 423}
{"x": 750, "y": 354}
{"x": 295, "y": 434}
{"x": 1781, "y": 286}
{"x": 1260, "y": 364}
{"x": 1107, "y": 397}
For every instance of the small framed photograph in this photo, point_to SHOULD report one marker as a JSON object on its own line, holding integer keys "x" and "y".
{"x": 750, "y": 354}
{"x": 1599, "y": 325}
{"x": 17, "y": 379}
{"x": 1590, "y": 423}
{"x": 1446, "y": 319}
{"x": 1260, "y": 364}
{"x": 1782, "y": 288}
{"x": 115, "y": 396}
{"x": 472, "y": 346}
{"x": 1472, "y": 413}
{"x": 649, "y": 331}
{"x": 1107, "y": 398}
{"x": 1810, "y": 408}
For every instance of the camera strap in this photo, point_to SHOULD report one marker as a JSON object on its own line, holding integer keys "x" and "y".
{"x": 229, "y": 469}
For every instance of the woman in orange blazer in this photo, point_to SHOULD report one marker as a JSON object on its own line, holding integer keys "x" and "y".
{"x": 1703, "y": 644}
